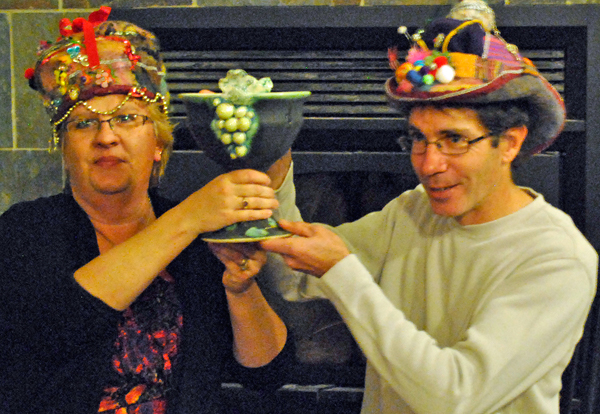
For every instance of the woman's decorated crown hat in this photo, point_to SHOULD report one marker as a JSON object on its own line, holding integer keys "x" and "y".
{"x": 462, "y": 58}
{"x": 96, "y": 57}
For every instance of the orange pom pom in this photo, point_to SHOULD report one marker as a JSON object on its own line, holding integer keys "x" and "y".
{"x": 402, "y": 71}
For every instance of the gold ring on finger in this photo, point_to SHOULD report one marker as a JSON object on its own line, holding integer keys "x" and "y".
{"x": 244, "y": 264}
{"x": 244, "y": 203}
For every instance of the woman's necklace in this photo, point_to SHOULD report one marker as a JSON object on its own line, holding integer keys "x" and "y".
{"x": 120, "y": 232}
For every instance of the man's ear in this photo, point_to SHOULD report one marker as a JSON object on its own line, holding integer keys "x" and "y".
{"x": 511, "y": 142}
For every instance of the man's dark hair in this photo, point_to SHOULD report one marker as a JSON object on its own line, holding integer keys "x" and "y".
{"x": 500, "y": 116}
{"x": 497, "y": 117}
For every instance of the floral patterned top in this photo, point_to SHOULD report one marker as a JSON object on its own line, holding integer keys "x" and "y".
{"x": 145, "y": 352}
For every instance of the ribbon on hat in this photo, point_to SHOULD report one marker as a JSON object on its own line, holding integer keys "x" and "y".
{"x": 68, "y": 28}
{"x": 80, "y": 24}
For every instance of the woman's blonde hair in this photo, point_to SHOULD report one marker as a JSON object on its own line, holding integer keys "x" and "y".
{"x": 163, "y": 129}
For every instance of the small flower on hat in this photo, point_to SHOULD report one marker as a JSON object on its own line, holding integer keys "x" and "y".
{"x": 103, "y": 78}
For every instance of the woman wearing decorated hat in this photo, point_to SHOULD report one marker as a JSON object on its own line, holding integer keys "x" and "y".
{"x": 469, "y": 293}
{"x": 109, "y": 302}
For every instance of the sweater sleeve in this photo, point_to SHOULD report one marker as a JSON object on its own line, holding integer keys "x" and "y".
{"x": 55, "y": 331}
{"x": 297, "y": 286}
{"x": 526, "y": 328}
{"x": 269, "y": 377}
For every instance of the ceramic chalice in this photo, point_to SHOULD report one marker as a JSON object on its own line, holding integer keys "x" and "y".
{"x": 245, "y": 126}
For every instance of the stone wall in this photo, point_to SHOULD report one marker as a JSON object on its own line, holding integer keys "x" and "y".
{"x": 27, "y": 169}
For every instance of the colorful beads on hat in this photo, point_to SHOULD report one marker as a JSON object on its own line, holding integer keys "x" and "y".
{"x": 73, "y": 92}
{"x": 131, "y": 55}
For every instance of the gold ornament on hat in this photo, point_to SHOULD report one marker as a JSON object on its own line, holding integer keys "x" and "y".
{"x": 475, "y": 10}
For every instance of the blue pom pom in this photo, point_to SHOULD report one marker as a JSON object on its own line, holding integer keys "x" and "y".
{"x": 414, "y": 77}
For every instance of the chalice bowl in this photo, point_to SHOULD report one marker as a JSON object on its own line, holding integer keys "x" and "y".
{"x": 245, "y": 126}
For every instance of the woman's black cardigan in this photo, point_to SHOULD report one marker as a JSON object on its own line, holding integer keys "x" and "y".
{"x": 56, "y": 340}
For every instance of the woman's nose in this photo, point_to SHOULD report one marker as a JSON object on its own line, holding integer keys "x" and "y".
{"x": 105, "y": 135}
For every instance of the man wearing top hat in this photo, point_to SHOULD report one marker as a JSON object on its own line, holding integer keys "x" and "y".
{"x": 467, "y": 294}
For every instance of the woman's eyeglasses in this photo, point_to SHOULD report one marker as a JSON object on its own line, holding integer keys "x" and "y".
{"x": 120, "y": 124}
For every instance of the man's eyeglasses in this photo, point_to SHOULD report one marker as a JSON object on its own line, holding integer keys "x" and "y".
{"x": 120, "y": 124}
{"x": 451, "y": 145}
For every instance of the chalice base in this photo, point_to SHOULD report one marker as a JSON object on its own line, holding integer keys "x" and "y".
{"x": 238, "y": 233}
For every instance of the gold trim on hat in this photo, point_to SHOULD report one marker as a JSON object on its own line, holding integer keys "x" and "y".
{"x": 55, "y": 141}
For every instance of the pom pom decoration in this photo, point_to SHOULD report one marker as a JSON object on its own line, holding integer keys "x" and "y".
{"x": 416, "y": 54}
{"x": 402, "y": 70}
{"x": 414, "y": 77}
{"x": 428, "y": 79}
{"x": 441, "y": 61}
{"x": 393, "y": 58}
{"x": 445, "y": 74}
{"x": 422, "y": 66}
{"x": 405, "y": 86}
{"x": 29, "y": 73}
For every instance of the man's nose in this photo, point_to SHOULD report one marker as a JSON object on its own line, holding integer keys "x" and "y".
{"x": 432, "y": 161}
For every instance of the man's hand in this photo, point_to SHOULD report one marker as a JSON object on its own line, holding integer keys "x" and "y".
{"x": 315, "y": 251}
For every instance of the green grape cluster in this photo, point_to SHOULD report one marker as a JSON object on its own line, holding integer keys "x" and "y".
{"x": 234, "y": 125}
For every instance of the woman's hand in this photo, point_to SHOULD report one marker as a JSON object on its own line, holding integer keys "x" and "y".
{"x": 242, "y": 262}
{"x": 259, "y": 333}
{"x": 240, "y": 195}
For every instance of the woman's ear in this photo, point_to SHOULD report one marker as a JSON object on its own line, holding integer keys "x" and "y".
{"x": 158, "y": 154}
{"x": 511, "y": 142}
